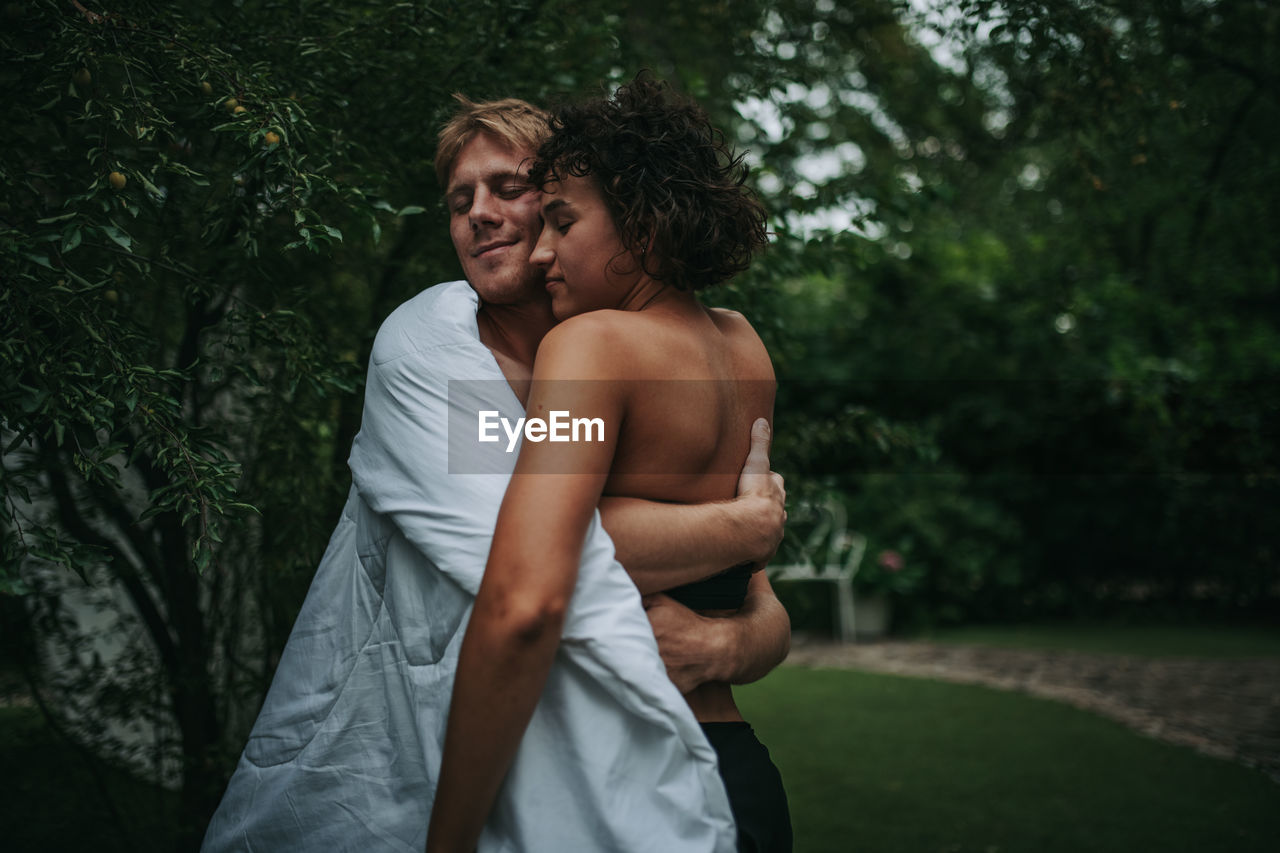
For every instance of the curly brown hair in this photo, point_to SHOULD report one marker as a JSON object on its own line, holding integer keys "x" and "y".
{"x": 675, "y": 189}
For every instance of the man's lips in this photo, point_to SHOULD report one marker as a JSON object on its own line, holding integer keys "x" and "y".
{"x": 489, "y": 247}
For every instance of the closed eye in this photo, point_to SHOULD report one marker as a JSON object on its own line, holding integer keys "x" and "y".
{"x": 459, "y": 203}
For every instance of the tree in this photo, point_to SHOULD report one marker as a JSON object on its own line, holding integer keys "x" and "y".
{"x": 159, "y": 340}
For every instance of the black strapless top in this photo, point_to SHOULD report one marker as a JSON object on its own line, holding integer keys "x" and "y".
{"x": 725, "y": 591}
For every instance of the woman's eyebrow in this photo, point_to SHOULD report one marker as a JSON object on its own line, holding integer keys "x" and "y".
{"x": 554, "y": 205}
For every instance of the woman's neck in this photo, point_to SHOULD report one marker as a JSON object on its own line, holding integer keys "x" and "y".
{"x": 649, "y": 294}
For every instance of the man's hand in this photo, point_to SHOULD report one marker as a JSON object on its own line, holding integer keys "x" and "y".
{"x": 691, "y": 646}
{"x": 762, "y": 497}
{"x": 735, "y": 649}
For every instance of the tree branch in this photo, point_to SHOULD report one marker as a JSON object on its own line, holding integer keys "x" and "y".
{"x": 70, "y": 517}
{"x": 1201, "y": 214}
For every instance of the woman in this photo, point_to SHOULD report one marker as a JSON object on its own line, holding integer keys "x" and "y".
{"x": 643, "y": 204}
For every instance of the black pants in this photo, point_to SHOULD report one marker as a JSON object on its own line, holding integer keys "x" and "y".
{"x": 756, "y": 796}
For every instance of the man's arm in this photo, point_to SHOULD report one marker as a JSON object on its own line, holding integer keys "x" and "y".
{"x": 663, "y": 545}
{"x": 736, "y": 649}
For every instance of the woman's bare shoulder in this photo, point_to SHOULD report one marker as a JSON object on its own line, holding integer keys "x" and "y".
{"x": 593, "y": 327}
{"x": 743, "y": 337}
{"x": 732, "y": 322}
{"x": 591, "y": 343}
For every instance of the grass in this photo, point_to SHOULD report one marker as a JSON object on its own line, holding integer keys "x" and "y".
{"x": 1147, "y": 640}
{"x": 884, "y": 763}
{"x": 872, "y": 763}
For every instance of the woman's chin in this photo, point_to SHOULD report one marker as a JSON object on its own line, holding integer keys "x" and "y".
{"x": 563, "y": 309}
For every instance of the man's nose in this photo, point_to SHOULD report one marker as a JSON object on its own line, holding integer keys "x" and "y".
{"x": 485, "y": 209}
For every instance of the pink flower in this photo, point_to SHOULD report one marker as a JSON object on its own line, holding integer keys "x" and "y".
{"x": 890, "y": 561}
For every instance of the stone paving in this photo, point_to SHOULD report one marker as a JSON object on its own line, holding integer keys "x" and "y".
{"x": 1226, "y": 708}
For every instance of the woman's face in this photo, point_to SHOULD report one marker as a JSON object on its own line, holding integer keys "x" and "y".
{"x": 580, "y": 250}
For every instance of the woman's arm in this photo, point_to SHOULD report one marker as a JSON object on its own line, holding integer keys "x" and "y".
{"x": 528, "y": 582}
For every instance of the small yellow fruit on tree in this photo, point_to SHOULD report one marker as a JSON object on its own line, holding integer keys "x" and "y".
{"x": 206, "y": 88}
{"x": 117, "y": 180}
{"x": 83, "y": 77}
{"x": 111, "y": 296}
{"x": 271, "y": 138}
{"x": 238, "y": 110}
{"x": 230, "y": 104}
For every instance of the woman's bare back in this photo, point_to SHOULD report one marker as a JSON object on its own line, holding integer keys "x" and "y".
{"x": 695, "y": 380}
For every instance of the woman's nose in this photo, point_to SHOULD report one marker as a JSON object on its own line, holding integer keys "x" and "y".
{"x": 542, "y": 254}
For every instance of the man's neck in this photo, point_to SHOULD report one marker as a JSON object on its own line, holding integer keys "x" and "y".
{"x": 512, "y": 333}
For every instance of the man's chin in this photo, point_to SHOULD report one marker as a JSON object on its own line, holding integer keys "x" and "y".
{"x": 508, "y": 289}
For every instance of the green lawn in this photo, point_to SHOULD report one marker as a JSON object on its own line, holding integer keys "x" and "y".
{"x": 872, "y": 763}
{"x": 885, "y": 763}
{"x": 1150, "y": 640}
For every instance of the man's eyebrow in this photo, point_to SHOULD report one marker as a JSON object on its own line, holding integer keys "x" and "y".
{"x": 491, "y": 178}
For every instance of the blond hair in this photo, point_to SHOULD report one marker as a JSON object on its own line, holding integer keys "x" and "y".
{"x": 513, "y": 121}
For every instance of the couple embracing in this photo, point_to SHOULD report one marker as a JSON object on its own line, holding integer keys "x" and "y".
{"x": 473, "y": 667}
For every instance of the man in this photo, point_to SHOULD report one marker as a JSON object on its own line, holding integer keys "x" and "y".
{"x": 347, "y": 747}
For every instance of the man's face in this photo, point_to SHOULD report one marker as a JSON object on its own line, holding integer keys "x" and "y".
{"x": 494, "y": 220}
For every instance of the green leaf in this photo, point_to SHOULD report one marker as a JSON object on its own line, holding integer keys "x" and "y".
{"x": 71, "y": 239}
{"x": 117, "y": 236}
{"x": 150, "y": 188}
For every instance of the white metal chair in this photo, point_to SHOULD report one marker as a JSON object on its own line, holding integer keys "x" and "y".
{"x": 831, "y": 554}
